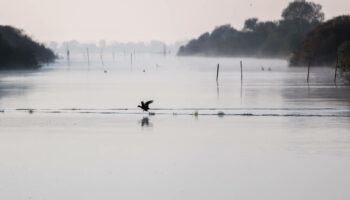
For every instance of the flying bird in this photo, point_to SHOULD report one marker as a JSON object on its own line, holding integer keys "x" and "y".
{"x": 145, "y": 106}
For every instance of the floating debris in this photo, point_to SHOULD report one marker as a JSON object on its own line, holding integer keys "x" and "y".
{"x": 105, "y": 71}
{"x": 247, "y": 114}
{"x": 221, "y": 114}
{"x": 2, "y": 111}
{"x": 195, "y": 113}
{"x": 54, "y": 112}
{"x": 29, "y": 110}
{"x": 151, "y": 113}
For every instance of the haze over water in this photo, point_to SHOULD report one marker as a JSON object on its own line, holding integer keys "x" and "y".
{"x": 279, "y": 137}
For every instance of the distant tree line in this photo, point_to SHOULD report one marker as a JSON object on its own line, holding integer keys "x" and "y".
{"x": 261, "y": 39}
{"x": 19, "y": 51}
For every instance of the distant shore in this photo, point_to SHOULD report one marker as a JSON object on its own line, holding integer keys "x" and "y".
{"x": 19, "y": 51}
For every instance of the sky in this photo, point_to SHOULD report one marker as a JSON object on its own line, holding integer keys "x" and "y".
{"x": 140, "y": 20}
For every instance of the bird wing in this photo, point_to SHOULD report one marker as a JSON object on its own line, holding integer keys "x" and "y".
{"x": 148, "y": 102}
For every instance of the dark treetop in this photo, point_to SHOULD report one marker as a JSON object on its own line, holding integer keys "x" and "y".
{"x": 269, "y": 39}
{"x": 320, "y": 47}
{"x": 19, "y": 51}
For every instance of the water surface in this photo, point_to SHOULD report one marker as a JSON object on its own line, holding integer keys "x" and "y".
{"x": 75, "y": 132}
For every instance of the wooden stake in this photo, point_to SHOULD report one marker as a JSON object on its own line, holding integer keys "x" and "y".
{"x": 88, "y": 56}
{"x": 217, "y": 73}
{"x": 336, "y": 69}
{"x": 241, "y": 72}
{"x": 164, "y": 50}
{"x": 68, "y": 56}
{"x": 308, "y": 72}
{"x": 131, "y": 58}
{"x": 101, "y": 57}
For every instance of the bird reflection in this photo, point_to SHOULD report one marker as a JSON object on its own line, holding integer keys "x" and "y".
{"x": 145, "y": 122}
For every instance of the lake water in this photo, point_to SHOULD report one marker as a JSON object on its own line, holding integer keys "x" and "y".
{"x": 75, "y": 132}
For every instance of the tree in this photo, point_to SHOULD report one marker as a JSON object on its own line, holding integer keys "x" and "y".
{"x": 19, "y": 51}
{"x": 303, "y": 10}
{"x": 322, "y": 43}
{"x": 271, "y": 38}
{"x": 221, "y": 32}
{"x": 250, "y": 24}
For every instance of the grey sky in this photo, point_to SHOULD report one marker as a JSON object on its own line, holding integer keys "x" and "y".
{"x": 140, "y": 20}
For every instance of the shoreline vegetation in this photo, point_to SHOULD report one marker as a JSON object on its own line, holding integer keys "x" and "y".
{"x": 300, "y": 35}
{"x": 19, "y": 51}
{"x": 277, "y": 39}
{"x": 320, "y": 46}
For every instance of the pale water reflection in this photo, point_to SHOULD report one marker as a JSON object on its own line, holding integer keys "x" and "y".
{"x": 276, "y": 137}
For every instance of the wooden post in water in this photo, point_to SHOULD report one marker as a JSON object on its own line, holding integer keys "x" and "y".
{"x": 68, "y": 56}
{"x": 131, "y": 58}
{"x": 88, "y": 57}
{"x": 241, "y": 72}
{"x": 164, "y": 50}
{"x": 217, "y": 73}
{"x": 308, "y": 72}
{"x": 101, "y": 57}
{"x": 336, "y": 70}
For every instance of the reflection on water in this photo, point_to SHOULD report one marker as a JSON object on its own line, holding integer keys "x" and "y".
{"x": 179, "y": 82}
{"x": 12, "y": 88}
{"x": 217, "y": 89}
{"x": 274, "y": 136}
{"x": 317, "y": 93}
{"x": 145, "y": 122}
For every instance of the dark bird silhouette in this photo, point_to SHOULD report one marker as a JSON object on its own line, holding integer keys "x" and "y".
{"x": 145, "y": 106}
